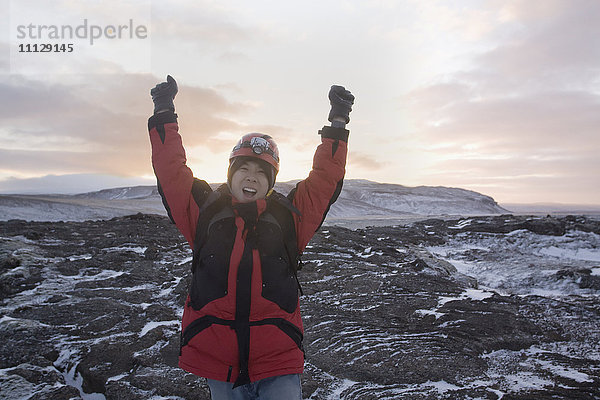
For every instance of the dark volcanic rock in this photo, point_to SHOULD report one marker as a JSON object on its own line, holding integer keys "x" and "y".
{"x": 92, "y": 303}
{"x": 509, "y": 223}
{"x": 94, "y": 307}
{"x": 388, "y": 313}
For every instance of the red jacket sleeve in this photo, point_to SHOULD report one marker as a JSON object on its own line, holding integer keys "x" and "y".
{"x": 178, "y": 187}
{"x": 314, "y": 195}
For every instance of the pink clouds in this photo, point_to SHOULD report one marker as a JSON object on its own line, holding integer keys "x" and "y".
{"x": 526, "y": 116}
{"x": 100, "y": 126}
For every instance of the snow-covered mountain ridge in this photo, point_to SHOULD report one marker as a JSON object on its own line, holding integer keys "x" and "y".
{"x": 372, "y": 198}
{"x": 358, "y": 199}
{"x": 124, "y": 193}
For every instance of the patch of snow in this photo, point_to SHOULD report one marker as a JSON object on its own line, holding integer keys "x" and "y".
{"x": 135, "y": 249}
{"x": 80, "y": 257}
{"x": 185, "y": 260}
{"x": 336, "y": 254}
{"x": 517, "y": 232}
{"x": 430, "y": 312}
{"x": 167, "y": 292}
{"x": 144, "y": 286}
{"x": 522, "y": 262}
{"x": 565, "y": 372}
{"x": 572, "y": 253}
{"x": 67, "y": 362}
{"x": 74, "y": 379}
{"x": 21, "y": 322}
{"x": 473, "y": 294}
{"x": 536, "y": 367}
{"x": 57, "y": 284}
{"x": 325, "y": 279}
{"x": 340, "y": 388}
{"x": 524, "y": 381}
{"x": 116, "y": 377}
{"x": 441, "y": 386}
{"x": 451, "y": 323}
{"x": 477, "y": 294}
{"x": 155, "y": 348}
{"x": 461, "y": 224}
{"x": 153, "y": 324}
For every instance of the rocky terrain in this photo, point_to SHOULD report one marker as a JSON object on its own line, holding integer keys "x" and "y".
{"x": 496, "y": 307}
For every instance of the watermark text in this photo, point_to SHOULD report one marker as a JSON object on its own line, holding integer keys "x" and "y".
{"x": 85, "y": 30}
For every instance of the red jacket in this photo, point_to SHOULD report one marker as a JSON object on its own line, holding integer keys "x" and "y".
{"x": 236, "y": 332}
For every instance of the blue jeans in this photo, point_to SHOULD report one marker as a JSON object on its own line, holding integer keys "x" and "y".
{"x": 284, "y": 387}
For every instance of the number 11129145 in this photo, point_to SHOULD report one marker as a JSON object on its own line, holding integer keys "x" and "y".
{"x": 45, "y": 48}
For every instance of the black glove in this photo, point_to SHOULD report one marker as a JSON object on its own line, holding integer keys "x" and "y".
{"x": 341, "y": 103}
{"x": 163, "y": 95}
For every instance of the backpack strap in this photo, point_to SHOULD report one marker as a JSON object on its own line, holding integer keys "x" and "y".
{"x": 215, "y": 203}
{"x": 282, "y": 209}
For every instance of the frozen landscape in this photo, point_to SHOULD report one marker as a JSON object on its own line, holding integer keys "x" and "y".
{"x": 360, "y": 200}
{"x": 474, "y": 303}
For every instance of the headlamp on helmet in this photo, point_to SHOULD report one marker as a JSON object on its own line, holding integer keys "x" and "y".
{"x": 259, "y": 146}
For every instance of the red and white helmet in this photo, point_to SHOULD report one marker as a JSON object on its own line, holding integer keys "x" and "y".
{"x": 257, "y": 145}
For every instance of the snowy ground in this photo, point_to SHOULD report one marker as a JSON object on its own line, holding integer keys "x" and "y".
{"x": 522, "y": 262}
{"x": 546, "y": 269}
{"x": 386, "y": 313}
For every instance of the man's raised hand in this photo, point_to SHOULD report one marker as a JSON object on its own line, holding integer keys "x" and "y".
{"x": 341, "y": 101}
{"x": 163, "y": 95}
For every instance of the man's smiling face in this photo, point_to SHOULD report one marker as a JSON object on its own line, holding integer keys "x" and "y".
{"x": 249, "y": 182}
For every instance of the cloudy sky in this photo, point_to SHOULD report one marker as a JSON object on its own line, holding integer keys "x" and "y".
{"x": 501, "y": 97}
